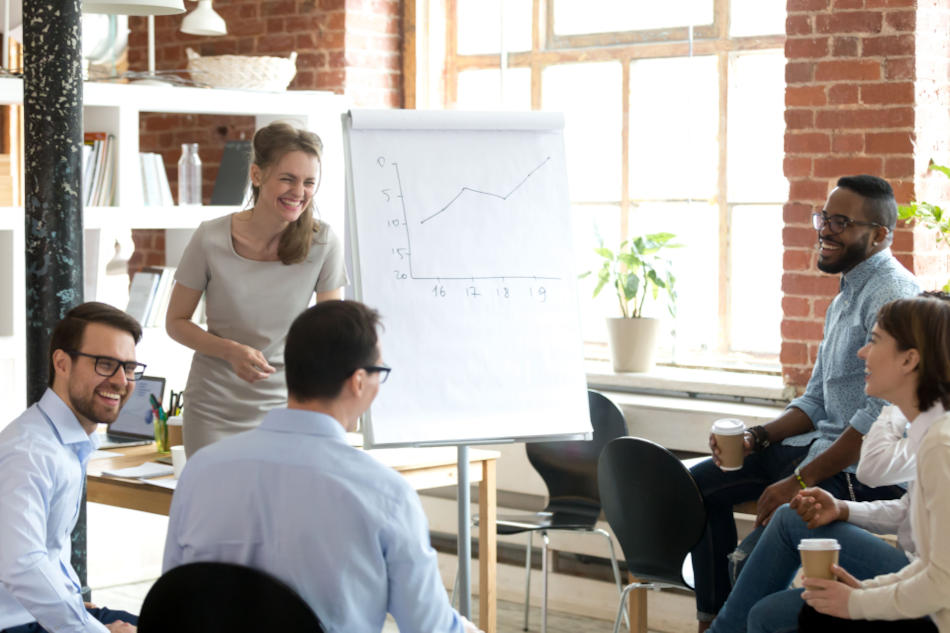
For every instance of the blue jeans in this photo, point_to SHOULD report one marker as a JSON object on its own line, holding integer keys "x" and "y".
{"x": 761, "y": 597}
{"x": 106, "y": 616}
{"x": 722, "y": 490}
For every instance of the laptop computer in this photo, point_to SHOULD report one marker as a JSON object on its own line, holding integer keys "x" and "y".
{"x": 134, "y": 424}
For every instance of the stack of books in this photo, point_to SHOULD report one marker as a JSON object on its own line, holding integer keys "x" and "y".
{"x": 98, "y": 174}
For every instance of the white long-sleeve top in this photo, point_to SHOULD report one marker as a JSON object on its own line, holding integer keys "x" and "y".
{"x": 888, "y": 457}
{"x": 922, "y": 587}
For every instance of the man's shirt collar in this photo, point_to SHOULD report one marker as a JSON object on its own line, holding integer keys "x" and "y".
{"x": 860, "y": 274}
{"x": 66, "y": 426}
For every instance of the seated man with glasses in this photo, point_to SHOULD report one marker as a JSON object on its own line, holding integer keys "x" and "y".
{"x": 817, "y": 440}
{"x": 43, "y": 456}
{"x": 294, "y": 499}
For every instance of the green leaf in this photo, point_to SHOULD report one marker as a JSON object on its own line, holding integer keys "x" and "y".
{"x": 630, "y": 287}
{"x": 943, "y": 170}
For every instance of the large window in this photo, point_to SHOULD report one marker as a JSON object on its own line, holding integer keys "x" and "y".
{"x": 674, "y": 122}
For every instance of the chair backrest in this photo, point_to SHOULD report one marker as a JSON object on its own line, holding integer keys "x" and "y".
{"x": 569, "y": 469}
{"x": 222, "y": 597}
{"x": 653, "y": 506}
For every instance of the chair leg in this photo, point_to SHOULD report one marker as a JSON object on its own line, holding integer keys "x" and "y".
{"x": 544, "y": 580}
{"x": 616, "y": 569}
{"x": 623, "y": 605}
{"x": 527, "y": 581}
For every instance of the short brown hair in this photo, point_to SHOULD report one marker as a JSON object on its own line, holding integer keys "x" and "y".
{"x": 923, "y": 323}
{"x": 68, "y": 333}
{"x": 271, "y": 143}
{"x": 326, "y": 344}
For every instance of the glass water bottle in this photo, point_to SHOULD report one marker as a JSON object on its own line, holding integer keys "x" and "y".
{"x": 189, "y": 175}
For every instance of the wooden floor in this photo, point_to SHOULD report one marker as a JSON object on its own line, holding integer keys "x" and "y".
{"x": 510, "y": 615}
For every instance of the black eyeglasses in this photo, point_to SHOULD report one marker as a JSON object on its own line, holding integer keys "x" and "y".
{"x": 382, "y": 370}
{"x": 107, "y": 366}
{"x": 836, "y": 223}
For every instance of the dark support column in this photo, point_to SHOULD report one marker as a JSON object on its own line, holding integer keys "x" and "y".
{"x": 52, "y": 111}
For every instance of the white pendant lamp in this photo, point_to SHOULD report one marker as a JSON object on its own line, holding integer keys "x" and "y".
{"x": 203, "y": 21}
{"x": 134, "y": 7}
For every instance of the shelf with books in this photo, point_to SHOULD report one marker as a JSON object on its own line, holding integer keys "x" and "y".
{"x": 115, "y": 109}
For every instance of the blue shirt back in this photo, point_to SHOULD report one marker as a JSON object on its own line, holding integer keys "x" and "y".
{"x": 292, "y": 498}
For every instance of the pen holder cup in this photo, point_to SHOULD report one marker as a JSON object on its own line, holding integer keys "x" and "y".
{"x": 173, "y": 431}
{"x": 160, "y": 429}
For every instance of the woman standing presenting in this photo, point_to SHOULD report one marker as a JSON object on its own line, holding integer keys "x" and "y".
{"x": 258, "y": 269}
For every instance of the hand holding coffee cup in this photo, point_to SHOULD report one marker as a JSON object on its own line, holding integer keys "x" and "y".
{"x": 818, "y": 555}
{"x": 728, "y": 444}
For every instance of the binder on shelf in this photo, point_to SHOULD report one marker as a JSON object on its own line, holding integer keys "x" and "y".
{"x": 155, "y": 188}
{"x": 142, "y": 293}
{"x": 231, "y": 184}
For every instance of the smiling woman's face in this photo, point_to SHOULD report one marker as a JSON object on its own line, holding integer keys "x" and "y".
{"x": 287, "y": 187}
{"x": 884, "y": 365}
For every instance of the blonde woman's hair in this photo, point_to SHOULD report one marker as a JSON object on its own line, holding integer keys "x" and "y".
{"x": 271, "y": 143}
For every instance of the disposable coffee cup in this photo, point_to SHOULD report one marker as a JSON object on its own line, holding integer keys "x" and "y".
{"x": 818, "y": 555}
{"x": 178, "y": 459}
{"x": 730, "y": 434}
{"x": 174, "y": 431}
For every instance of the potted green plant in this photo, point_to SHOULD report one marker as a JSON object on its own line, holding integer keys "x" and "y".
{"x": 930, "y": 215}
{"x": 636, "y": 270}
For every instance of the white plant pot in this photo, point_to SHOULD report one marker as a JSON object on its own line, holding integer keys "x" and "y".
{"x": 633, "y": 343}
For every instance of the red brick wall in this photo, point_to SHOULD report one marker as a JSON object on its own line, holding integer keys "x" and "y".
{"x": 855, "y": 103}
{"x": 350, "y": 47}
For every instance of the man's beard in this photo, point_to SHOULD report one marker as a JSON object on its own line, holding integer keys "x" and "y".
{"x": 85, "y": 405}
{"x": 854, "y": 254}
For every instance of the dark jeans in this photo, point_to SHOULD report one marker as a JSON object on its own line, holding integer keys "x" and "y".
{"x": 810, "y": 621}
{"x": 106, "y": 616}
{"x": 722, "y": 490}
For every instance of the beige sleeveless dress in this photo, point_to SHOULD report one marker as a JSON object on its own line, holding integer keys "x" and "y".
{"x": 253, "y": 303}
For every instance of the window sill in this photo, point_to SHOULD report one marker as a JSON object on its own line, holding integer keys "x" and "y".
{"x": 692, "y": 383}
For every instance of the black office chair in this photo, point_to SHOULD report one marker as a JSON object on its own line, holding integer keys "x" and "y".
{"x": 569, "y": 470}
{"x": 654, "y": 508}
{"x": 223, "y": 598}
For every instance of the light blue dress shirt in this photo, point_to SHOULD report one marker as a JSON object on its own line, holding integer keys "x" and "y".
{"x": 43, "y": 455}
{"x": 292, "y": 498}
{"x": 834, "y": 397}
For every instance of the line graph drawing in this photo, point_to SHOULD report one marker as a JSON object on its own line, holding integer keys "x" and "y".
{"x": 408, "y": 252}
{"x": 485, "y": 193}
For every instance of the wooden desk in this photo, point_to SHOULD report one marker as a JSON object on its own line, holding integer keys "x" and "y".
{"x": 423, "y": 467}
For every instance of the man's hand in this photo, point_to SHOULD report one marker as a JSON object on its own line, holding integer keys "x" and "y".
{"x": 772, "y": 497}
{"x": 714, "y": 447}
{"x": 830, "y": 596}
{"x": 817, "y": 507}
{"x": 121, "y": 627}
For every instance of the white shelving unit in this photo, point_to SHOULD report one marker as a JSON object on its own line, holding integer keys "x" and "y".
{"x": 115, "y": 109}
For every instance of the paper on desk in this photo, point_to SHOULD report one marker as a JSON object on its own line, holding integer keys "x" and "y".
{"x": 104, "y": 454}
{"x": 161, "y": 483}
{"x": 143, "y": 471}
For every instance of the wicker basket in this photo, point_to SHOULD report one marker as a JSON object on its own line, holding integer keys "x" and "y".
{"x": 242, "y": 72}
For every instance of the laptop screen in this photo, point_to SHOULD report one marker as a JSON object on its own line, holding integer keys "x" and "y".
{"x": 135, "y": 419}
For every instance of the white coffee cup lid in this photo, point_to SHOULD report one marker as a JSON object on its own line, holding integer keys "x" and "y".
{"x": 821, "y": 544}
{"x": 728, "y": 426}
{"x": 174, "y": 420}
